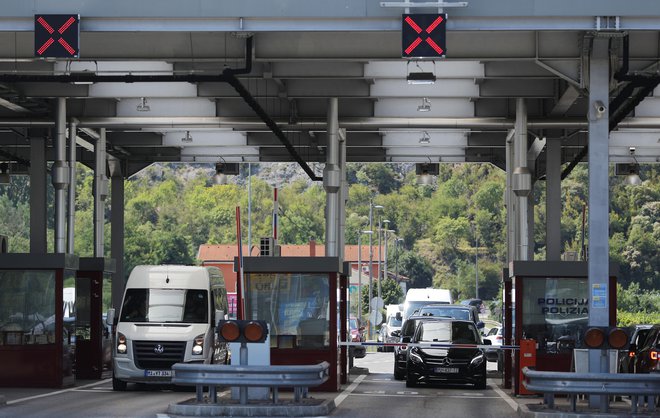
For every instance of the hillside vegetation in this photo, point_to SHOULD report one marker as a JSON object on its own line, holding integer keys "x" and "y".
{"x": 171, "y": 209}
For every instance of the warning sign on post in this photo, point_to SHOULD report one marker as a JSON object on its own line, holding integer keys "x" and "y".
{"x": 599, "y": 295}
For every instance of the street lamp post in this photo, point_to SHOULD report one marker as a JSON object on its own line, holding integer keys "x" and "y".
{"x": 385, "y": 231}
{"x": 359, "y": 315}
{"x": 371, "y": 258}
{"x": 396, "y": 267}
{"x": 476, "y": 262}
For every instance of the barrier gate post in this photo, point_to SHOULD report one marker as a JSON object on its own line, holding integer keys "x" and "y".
{"x": 527, "y": 359}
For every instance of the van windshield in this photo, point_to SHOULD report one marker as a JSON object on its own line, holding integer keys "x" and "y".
{"x": 165, "y": 305}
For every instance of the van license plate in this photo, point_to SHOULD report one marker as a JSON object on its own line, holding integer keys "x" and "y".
{"x": 446, "y": 369}
{"x": 158, "y": 373}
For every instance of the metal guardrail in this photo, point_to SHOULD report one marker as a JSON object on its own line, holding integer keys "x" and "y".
{"x": 298, "y": 377}
{"x": 607, "y": 384}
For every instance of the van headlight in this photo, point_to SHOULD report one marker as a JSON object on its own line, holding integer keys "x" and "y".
{"x": 198, "y": 345}
{"x": 477, "y": 360}
{"x": 122, "y": 348}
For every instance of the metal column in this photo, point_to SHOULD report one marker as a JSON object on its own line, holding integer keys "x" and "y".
{"x": 73, "y": 128}
{"x": 331, "y": 179}
{"x": 521, "y": 181}
{"x": 100, "y": 193}
{"x": 598, "y": 264}
{"x": 38, "y": 196}
{"x": 117, "y": 231}
{"x": 553, "y": 201}
{"x": 60, "y": 175}
{"x": 342, "y": 197}
{"x": 510, "y": 201}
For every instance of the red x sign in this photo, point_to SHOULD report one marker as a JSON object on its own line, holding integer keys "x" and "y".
{"x": 423, "y": 35}
{"x": 56, "y": 36}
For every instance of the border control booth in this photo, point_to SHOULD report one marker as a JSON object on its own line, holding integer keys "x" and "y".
{"x": 551, "y": 306}
{"x": 36, "y": 340}
{"x": 93, "y": 299}
{"x": 299, "y": 299}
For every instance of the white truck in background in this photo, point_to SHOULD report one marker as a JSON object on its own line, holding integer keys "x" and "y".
{"x": 416, "y": 298}
{"x": 393, "y": 320}
{"x": 168, "y": 315}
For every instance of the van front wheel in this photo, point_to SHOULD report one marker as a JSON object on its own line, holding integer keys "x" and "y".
{"x": 118, "y": 385}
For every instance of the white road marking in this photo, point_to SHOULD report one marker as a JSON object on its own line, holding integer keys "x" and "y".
{"x": 506, "y": 397}
{"x": 339, "y": 399}
{"x": 94, "y": 390}
{"x": 44, "y": 395}
{"x": 416, "y": 395}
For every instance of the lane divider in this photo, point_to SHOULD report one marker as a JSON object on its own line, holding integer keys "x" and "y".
{"x": 428, "y": 345}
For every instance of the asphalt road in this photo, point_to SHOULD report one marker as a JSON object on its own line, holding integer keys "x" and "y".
{"x": 375, "y": 394}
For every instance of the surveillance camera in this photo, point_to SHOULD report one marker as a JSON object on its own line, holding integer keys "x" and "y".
{"x": 631, "y": 150}
{"x": 600, "y": 107}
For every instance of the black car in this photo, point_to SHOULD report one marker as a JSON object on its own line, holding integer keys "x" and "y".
{"x": 646, "y": 359}
{"x": 446, "y": 365}
{"x": 627, "y": 357}
{"x": 465, "y": 312}
{"x": 405, "y": 335}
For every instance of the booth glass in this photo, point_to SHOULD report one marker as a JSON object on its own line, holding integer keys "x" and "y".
{"x": 296, "y": 306}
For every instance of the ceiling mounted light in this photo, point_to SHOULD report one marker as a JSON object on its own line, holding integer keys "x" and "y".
{"x": 188, "y": 138}
{"x": 4, "y": 173}
{"x": 632, "y": 176}
{"x": 421, "y": 77}
{"x": 425, "y": 106}
{"x": 143, "y": 106}
{"x": 219, "y": 177}
{"x": 425, "y": 173}
{"x": 425, "y": 139}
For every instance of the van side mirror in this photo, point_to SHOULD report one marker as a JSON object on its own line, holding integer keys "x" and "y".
{"x": 398, "y": 316}
{"x": 110, "y": 317}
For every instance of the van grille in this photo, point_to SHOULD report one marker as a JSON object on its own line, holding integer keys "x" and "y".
{"x": 147, "y": 354}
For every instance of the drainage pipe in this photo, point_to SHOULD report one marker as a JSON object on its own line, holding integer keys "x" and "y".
{"x": 73, "y": 128}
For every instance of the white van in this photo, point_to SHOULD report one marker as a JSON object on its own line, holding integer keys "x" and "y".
{"x": 416, "y": 298}
{"x": 168, "y": 315}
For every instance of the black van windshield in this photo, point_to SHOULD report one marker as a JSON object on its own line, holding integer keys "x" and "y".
{"x": 165, "y": 305}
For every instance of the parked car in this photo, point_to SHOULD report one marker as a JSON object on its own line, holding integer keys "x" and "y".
{"x": 357, "y": 335}
{"x": 495, "y": 337}
{"x": 453, "y": 365}
{"x": 627, "y": 357}
{"x": 385, "y": 335}
{"x": 465, "y": 312}
{"x": 405, "y": 335}
{"x": 646, "y": 359}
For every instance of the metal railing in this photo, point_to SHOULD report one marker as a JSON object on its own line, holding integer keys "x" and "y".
{"x": 298, "y": 377}
{"x": 637, "y": 386}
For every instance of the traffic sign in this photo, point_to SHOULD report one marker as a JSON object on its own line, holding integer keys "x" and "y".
{"x": 57, "y": 36}
{"x": 376, "y": 303}
{"x": 424, "y": 35}
{"x": 375, "y": 318}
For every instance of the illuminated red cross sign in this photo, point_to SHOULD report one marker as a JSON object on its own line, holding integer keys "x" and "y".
{"x": 423, "y": 35}
{"x": 56, "y": 36}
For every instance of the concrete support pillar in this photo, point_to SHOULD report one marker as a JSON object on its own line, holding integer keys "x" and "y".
{"x": 38, "y": 202}
{"x": 100, "y": 193}
{"x": 331, "y": 179}
{"x": 521, "y": 181}
{"x": 60, "y": 175}
{"x": 342, "y": 196}
{"x": 598, "y": 264}
{"x": 73, "y": 128}
{"x": 553, "y": 201}
{"x": 117, "y": 235}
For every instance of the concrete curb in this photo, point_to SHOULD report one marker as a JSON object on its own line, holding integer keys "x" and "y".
{"x": 188, "y": 408}
{"x": 525, "y": 412}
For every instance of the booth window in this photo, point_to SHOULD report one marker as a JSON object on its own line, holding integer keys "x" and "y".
{"x": 296, "y": 306}
{"x": 556, "y": 312}
{"x": 27, "y": 307}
